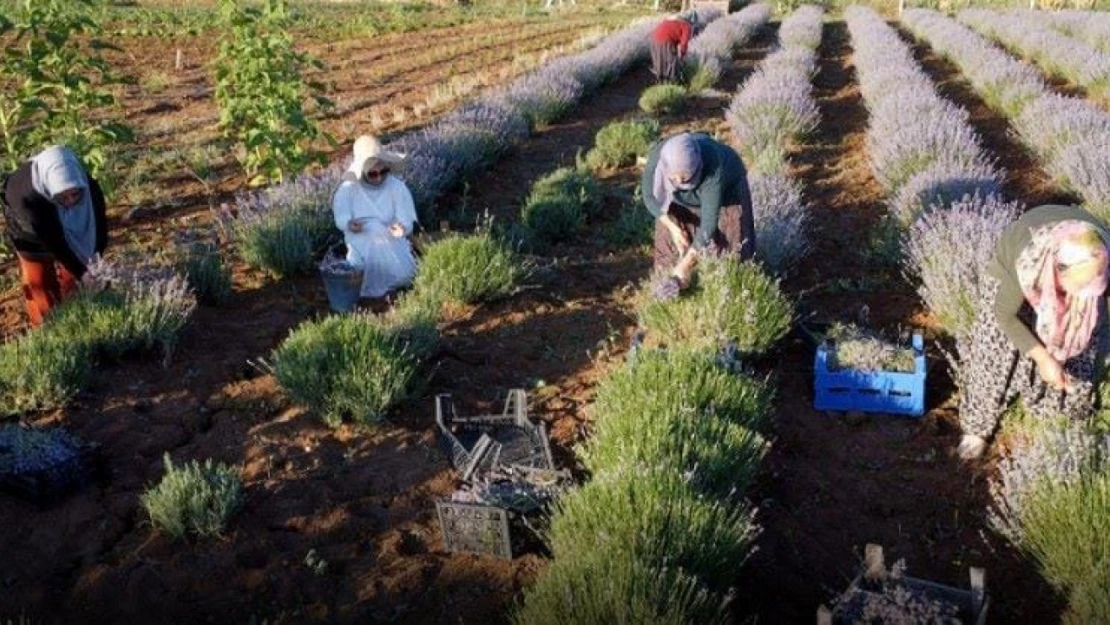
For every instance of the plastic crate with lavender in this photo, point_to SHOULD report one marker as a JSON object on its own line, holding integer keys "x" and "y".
{"x": 40, "y": 465}
{"x": 856, "y": 370}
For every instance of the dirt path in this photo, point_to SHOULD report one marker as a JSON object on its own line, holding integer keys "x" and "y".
{"x": 838, "y": 482}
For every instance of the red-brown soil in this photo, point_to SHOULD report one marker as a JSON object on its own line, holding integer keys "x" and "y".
{"x": 363, "y": 500}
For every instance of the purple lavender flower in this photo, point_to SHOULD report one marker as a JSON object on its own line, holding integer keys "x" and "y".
{"x": 665, "y": 288}
{"x": 946, "y": 253}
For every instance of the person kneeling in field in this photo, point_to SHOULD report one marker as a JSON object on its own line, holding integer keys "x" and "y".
{"x": 375, "y": 211}
{"x": 56, "y": 222}
{"x": 697, "y": 189}
{"x": 1041, "y": 330}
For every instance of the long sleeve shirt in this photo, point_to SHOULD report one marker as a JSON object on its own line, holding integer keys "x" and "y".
{"x": 1003, "y": 267}
{"x": 33, "y": 224}
{"x": 724, "y": 182}
{"x": 675, "y": 32}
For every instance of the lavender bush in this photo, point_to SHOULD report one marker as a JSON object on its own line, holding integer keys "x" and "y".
{"x": 1092, "y": 27}
{"x": 713, "y": 48}
{"x": 946, "y": 254}
{"x": 773, "y": 110}
{"x": 194, "y": 498}
{"x": 781, "y": 218}
{"x": 1061, "y": 131}
{"x": 1030, "y": 35}
{"x": 921, "y": 146}
{"x": 731, "y": 301}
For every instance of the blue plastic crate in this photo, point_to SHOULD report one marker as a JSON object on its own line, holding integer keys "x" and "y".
{"x": 881, "y": 391}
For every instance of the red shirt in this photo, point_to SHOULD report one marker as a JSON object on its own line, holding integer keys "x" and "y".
{"x": 673, "y": 31}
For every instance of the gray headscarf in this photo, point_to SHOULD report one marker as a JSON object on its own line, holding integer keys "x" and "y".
{"x": 679, "y": 155}
{"x": 54, "y": 170}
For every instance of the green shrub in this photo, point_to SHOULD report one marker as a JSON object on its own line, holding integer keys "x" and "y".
{"x": 681, "y": 412}
{"x": 346, "y": 367}
{"x": 702, "y": 75}
{"x": 41, "y": 371}
{"x": 469, "y": 269}
{"x": 207, "y": 275}
{"x": 572, "y": 183}
{"x": 731, "y": 301}
{"x": 283, "y": 242}
{"x": 194, "y": 498}
{"x": 554, "y": 219}
{"x": 619, "y": 143}
{"x": 612, "y": 586}
{"x": 634, "y": 225}
{"x": 1067, "y": 530}
{"x": 663, "y": 99}
{"x": 657, "y": 518}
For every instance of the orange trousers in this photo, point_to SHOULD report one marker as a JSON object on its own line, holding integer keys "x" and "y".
{"x": 45, "y": 284}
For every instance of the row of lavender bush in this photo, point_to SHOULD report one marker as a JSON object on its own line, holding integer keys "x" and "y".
{"x": 1068, "y": 135}
{"x": 657, "y": 534}
{"x": 1093, "y": 27}
{"x": 1030, "y": 34}
{"x": 944, "y": 189}
{"x": 281, "y": 228}
{"x": 1053, "y": 487}
{"x": 774, "y": 109}
{"x": 715, "y": 45}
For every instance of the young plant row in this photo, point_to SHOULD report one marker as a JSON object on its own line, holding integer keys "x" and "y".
{"x": 1032, "y": 36}
{"x": 707, "y": 54}
{"x": 1051, "y": 499}
{"x": 1068, "y": 135}
{"x": 945, "y": 191}
{"x": 119, "y": 310}
{"x": 283, "y": 229}
{"x": 773, "y": 111}
{"x": 658, "y": 533}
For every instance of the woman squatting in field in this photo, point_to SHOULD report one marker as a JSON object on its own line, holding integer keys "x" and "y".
{"x": 697, "y": 189}
{"x": 1041, "y": 330}
{"x": 669, "y": 41}
{"x": 56, "y": 222}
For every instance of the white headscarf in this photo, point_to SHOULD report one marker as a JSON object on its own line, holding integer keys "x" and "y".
{"x": 54, "y": 170}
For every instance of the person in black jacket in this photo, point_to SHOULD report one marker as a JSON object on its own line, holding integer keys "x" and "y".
{"x": 56, "y": 222}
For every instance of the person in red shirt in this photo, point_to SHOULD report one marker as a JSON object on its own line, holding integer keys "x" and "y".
{"x": 668, "y": 47}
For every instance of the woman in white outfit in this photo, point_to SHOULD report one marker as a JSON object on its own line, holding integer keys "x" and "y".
{"x": 374, "y": 210}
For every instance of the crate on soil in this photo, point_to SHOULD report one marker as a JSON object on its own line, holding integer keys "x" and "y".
{"x": 40, "y": 466}
{"x": 507, "y": 473}
{"x": 881, "y": 595}
{"x": 890, "y": 392}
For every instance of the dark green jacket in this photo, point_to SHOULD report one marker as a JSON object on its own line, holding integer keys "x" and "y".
{"x": 724, "y": 182}
{"x": 1003, "y": 267}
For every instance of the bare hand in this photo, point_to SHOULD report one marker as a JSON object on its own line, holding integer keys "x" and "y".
{"x": 397, "y": 230}
{"x": 1052, "y": 373}
{"x": 685, "y": 267}
{"x": 354, "y": 225}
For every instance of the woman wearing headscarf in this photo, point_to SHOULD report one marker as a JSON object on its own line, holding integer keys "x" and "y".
{"x": 375, "y": 211}
{"x": 669, "y": 41}
{"x": 1042, "y": 326}
{"x": 697, "y": 189}
{"x": 56, "y": 221}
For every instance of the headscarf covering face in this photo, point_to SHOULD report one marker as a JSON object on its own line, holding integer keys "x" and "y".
{"x": 1063, "y": 273}
{"x": 680, "y": 159}
{"x": 53, "y": 171}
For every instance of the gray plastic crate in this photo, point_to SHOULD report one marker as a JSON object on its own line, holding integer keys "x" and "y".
{"x": 972, "y": 603}
{"x": 486, "y": 445}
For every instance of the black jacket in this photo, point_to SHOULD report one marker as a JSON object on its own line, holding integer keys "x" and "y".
{"x": 32, "y": 221}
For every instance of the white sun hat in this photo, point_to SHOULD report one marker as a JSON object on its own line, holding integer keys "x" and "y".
{"x": 368, "y": 151}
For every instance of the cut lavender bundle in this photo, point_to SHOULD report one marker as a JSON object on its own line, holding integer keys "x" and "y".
{"x": 860, "y": 349}
{"x": 666, "y": 288}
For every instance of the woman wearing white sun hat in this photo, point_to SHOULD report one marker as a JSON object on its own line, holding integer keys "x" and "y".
{"x": 375, "y": 212}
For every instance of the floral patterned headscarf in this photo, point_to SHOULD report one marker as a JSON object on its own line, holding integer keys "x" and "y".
{"x": 1065, "y": 320}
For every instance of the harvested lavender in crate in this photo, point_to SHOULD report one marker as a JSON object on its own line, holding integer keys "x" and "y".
{"x": 52, "y": 456}
{"x": 336, "y": 265}
{"x": 859, "y": 349}
{"x": 885, "y": 600}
